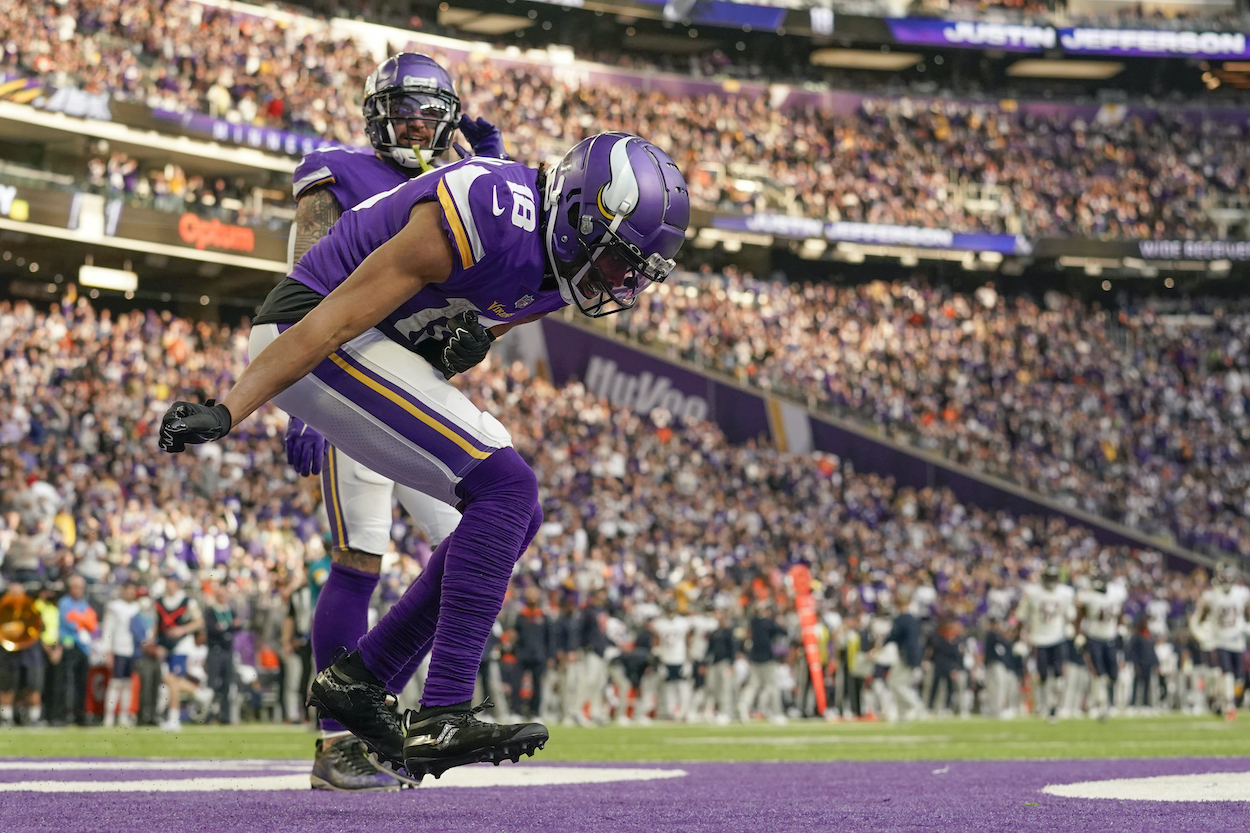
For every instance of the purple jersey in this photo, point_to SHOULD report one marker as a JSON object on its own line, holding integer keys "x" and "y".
{"x": 490, "y": 217}
{"x": 351, "y": 176}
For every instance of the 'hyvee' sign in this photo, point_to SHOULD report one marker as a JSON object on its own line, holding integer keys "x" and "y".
{"x": 642, "y": 393}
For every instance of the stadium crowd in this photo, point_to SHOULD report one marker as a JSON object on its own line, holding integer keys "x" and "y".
{"x": 898, "y": 161}
{"x": 661, "y": 569}
{"x": 171, "y": 189}
{"x": 1128, "y": 415}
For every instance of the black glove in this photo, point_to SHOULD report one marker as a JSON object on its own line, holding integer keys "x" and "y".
{"x": 467, "y": 345}
{"x": 187, "y": 422}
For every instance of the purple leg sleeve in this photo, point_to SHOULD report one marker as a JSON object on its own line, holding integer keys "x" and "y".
{"x": 410, "y": 622}
{"x": 500, "y": 517}
{"x": 340, "y": 618}
{"x": 425, "y": 622}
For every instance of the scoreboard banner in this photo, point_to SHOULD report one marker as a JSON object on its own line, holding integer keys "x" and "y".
{"x": 269, "y": 139}
{"x": 1023, "y": 37}
{"x": 881, "y": 234}
{"x": 1236, "y": 251}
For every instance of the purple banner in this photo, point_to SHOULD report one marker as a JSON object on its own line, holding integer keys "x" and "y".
{"x": 781, "y": 225}
{"x": 1154, "y": 43}
{"x": 722, "y": 13}
{"x": 1023, "y": 37}
{"x": 262, "y": 138}
{"x": 633, "y": 378}
{"x": 1009, "y": 37}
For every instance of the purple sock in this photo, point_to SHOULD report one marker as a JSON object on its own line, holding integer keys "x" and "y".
{"x": 340, "y": 618}
{"x": 501, "y": 509}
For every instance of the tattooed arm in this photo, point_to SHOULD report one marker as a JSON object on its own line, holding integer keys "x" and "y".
{"x": 315, "y": 212}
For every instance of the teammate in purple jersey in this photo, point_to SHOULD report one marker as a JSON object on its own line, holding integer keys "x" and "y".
{"x": 393, "y": 273}
{"x": 411, "y": 110}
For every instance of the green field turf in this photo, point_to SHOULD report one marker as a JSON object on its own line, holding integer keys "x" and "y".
{"x": 1137, "y": 737}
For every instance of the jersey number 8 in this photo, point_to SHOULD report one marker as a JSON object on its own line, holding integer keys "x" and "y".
{"x": 522, "y": 207}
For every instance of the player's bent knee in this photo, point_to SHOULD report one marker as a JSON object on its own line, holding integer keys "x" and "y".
{"x": 365, "y": 562}
{"x": 502, "y": 474}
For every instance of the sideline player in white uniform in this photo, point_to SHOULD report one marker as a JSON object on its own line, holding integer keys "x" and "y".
{"x": 1045, "y": 611}
{"x": 702, "y": 626}
{"x": 1099, "y": 611}
{"x": 1226, "y": 604}
{"x": 672, "y": 631}
{"x": 120, "y": 648}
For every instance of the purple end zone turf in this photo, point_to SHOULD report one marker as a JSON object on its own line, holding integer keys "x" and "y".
{"x": 759, "y": 798}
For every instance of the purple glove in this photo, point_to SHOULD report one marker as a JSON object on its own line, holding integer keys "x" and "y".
{"x": 483, "y": 136}
{"x": 304, "y": 447}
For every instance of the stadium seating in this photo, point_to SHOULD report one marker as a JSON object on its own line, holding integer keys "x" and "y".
{"x": 1135, "y": 416}
{"x": 895, "y": 161}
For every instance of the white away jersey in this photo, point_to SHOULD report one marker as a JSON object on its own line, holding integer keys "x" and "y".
{"x": 1044, "y": 613}
{"x": 1227, "y": 616}
{"x": 672, "y": 632}
{"x": 1102, "y": 612}
{"x": 701, "y": 627}
{"x": 116, "y": 629}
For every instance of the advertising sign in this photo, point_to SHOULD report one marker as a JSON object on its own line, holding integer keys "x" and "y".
{"x": 195, "y": 232}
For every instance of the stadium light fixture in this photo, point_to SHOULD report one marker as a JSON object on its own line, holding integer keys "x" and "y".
{"x": 118, "y": 280}
{"x": 1047, "y": 68}
{"x": 812, "y": 248}
{"x": 481, "y": 23}
{"x": 865, "y": 59}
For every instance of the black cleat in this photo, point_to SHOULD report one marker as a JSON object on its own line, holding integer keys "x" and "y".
{"x": 364, "y": 709}
{"x": 436, "y": 744}
{"x": 342, "y": 766}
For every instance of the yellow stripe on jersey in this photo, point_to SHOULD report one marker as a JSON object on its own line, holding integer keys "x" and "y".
{"x": 332, "y": 463}
{"x": 402, "y": 402}
{"x": 457, "y": 227}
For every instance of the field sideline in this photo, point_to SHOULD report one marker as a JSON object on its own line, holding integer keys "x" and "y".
{"x": 974, "y": 739}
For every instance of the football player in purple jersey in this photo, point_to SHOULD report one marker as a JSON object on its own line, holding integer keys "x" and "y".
{"x": 335, "y": 345}
{"x": 411, "y": 110}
